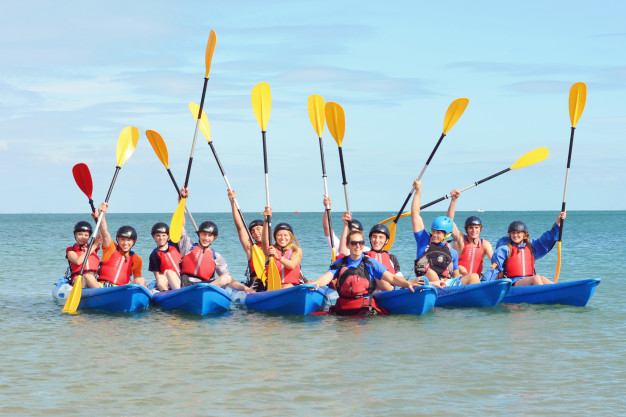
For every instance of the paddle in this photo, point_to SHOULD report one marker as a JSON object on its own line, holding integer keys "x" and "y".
{"x": 82, "y": 176}
{"x": 316, "y": 114}
{"x": 158, "y": 144}
{"x": 126, "y": 144}
{"x": 258, "y": 258}
{"x": 454, "y": 112}
{"x": 577, "y": 99}
{"x": 525, "y": 160}
{"x": 336, "y": 121}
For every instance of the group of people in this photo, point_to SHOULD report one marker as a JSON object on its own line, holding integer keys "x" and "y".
{"x": 444, "y": 257}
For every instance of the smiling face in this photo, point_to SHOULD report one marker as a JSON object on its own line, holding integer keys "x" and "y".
{"x": 517, "y": 237}
{"x": 473, "y": 231}
{"x": 205, "y": 239}
{"x": 125, "y": 244}
{"x": 437, "y": 236}
{"x": 160, "y": 239}
{"x": 378, "y": 240}
{"x": 283, "y": 237}
{"x": 257, "y": 233}
{"x": 355, "y": 244}
{"x": 82, "y": 237}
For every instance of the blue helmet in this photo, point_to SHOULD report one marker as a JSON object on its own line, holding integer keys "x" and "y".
{"x": 443, "y": 223}
{"x": 473, "y": 221}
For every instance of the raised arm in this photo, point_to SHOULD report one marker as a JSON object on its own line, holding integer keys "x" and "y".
{"x": 457, "y": 236}
{"x": 104, "y": 232}
{"x": 325, "y": 224}
{"x": 416, "y": 218}
{"x": 343, "y": 245}
{"x": 239, "y": 225}
{"x": 265, "y": 238}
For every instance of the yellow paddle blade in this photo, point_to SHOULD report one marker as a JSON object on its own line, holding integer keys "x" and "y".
{"x": 455, "y": 110}
{"x": 126, "y": 144}
{"x": 577, "y": 100}
{"x": 390, "y": 219}
{"x": 333, "y": 256}
{"x": 74, "y": 299}
{"x": 317, "y": 113}
{"x": 258, "y": 262}
{"x": 336, "y": 121}
{"x": 531, "y": 157}
{"x": 392, "y": 235}
{"x": 262, "y": 104}
{"x": 158, "y": 144}
{"x": 204, "y": 121}
{"x": 558, "y": 262}
{"x": 176, "y": 225}
{"x": 208, "y": 55}
{"x": 273, "y": 276}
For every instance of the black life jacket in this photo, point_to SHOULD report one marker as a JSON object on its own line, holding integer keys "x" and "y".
{"x": 438, "y": 258}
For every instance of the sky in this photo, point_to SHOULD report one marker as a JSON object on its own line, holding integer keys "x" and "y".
{"x": 75, "y": 73}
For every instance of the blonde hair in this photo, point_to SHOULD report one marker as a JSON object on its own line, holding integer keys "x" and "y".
{"x": 293, "y": 243}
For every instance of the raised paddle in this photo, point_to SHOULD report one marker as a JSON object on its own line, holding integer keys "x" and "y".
{"x": 82, "y": 176}
{"x": 454, "y": 112}
{"x": 317, "y": 115}
{"x": 258, "y": 258}
{"x": 577, "y": 100}
{"x": 126, "y": 144}
{"x": 158, "y": 144}
{"x": 525, "y": 160}
{"x": 336, "y": 121}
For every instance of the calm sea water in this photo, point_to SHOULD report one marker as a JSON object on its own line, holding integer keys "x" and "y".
{"x": 514, "y": 359}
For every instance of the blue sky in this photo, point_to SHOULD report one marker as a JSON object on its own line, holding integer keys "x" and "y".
{"x": 73, "y": 74}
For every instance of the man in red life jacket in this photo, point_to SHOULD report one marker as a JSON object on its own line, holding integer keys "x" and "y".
{"x": 76, "y": 253}
{"x": 379, "y": 236}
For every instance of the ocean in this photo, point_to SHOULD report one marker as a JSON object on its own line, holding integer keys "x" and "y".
{"x": 534, "y": 360}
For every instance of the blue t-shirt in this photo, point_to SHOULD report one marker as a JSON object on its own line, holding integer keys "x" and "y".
{"x": 374, "y": 268}
{"x": 423, "y": 241}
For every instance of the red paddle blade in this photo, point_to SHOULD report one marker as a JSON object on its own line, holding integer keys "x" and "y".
{"x": 82, "y": 176}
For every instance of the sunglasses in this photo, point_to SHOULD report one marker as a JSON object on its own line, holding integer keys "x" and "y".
{"x": 357, "y": 242}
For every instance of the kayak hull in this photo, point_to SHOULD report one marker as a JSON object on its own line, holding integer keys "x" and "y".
{"x": 404, "y": 301}
{"x": 485, "y": 294}
{"x": 125, "y": 298}
{"x": 573, "y": 293}
{"x": 298, "y": 300}
{"x": 202, "y": 298}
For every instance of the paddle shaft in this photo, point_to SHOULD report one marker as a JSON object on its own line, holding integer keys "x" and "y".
{"x": 195, "y": 226}
{"x": 330, "y": 224}
{"x": 268, "y": 219}
{"x": 569, "y": 160}
{"x": 343, "y": 175}
{"x": 195, "y": 134}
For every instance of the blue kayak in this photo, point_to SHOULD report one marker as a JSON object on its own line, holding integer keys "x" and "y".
{"x": 485, "y": 294}
{"x": 573, "y": 293}
{"x": 403, "y": 301}
{"x": 299, "y": 300}
{"x": 202, "y": 298}
{"x": 125, "y": 298}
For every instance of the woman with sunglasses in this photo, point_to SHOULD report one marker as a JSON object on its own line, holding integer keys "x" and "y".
{"x": 357, "y": 275}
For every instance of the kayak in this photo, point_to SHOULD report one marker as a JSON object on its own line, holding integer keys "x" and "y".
{"x": 125, "y": 298}
{"x": 202, "y": 298}
{"x": 573, "y": 293}
{"x": 485, "y": 294}
{"x": 299, "y": 300}
{"x": 404, "y": 301}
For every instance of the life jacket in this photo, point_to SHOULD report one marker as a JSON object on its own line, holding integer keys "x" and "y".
{"x": 117, "y": 269}
{"x": 384, "y": 258}
{"x": 93, "y": 261}
{"x": 354, "y": 288}
{"x": 472, "y": 257}
{"x": 287, "y": 275}
{"x": 196, "y": 265}
{"x": 520, "y": 262}
{"x": 438, "y": 258}
{"x": 169, "y": 259}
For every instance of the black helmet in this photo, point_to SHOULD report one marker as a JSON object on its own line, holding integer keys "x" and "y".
{"x": 128, "y": 232}
{"x": 355, "y": 224}
{"x": 379, "y": 228}
{"x": 517, "y": 226}
{"x": 208, "y": 227}
{"x": 282, "y": 226}
{"x": 255, "y": 223}
{"x": 473, "y": 221}
{"x": 83, "y": 226}
{"x": 160, "y": 227}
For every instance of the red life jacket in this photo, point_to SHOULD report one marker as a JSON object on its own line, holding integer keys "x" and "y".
{"x": 117, "y": 269}
{"x": 520, "y": 263}
{"x": 169, "y": 259}
{"x": 287, "y": 275}
{"x": 383, "y": 258}
{"x": 197, "y": 265}
{"x": 355, "y": 287}
{"x": 93, "y": 261}
{"x": 472, "y": 257}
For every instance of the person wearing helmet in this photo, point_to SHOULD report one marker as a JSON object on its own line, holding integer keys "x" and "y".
{"x": 119, "y": 262}
{"x": 471, "y": 247}
{"x": 256, "y": 230}
{"x": 340, "y": 245}
{"x": 76, "y": 253}
{"x": 516, "y": 254}
{"x": 436, "y": 259}
{"x": 286, "y": 252}
{"x": 203, "y": 264}
{"x": 379, "y": 236}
